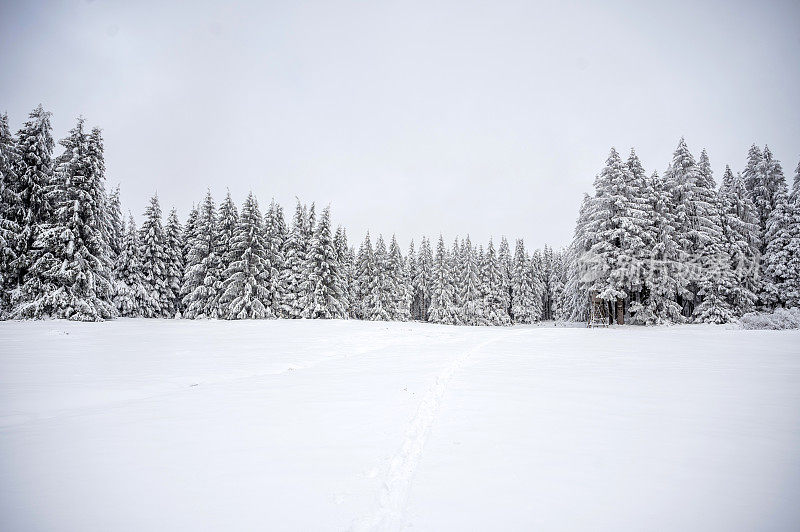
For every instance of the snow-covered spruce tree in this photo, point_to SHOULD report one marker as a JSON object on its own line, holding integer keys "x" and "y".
{"x": 153, "y": 257}
{"x": 557, "y": 282}
{"x": 116, "y": 227}
{"x": 768, "y": 189}
{"x": 379, "y": 298}
{"x": 716, "y": 280}
{"x": 275, "y": 237}
{"x": 323, "y": 294}
{"x": 365, "y": 272}
{"x": 442, "y": 308}
{"x": 506, "y": 271}
{"x": 616, "y": 233}
{"x": 9, "y": 207}
{"x": 244, "y": 292}
{"x": 537, "y": 286}
{"x": 293, "y": 275}
{"x": 97, "y": 166}
{"x": 664, "y": 273}
{"x": 346, "y": 266}
{"x": 525, "y": 306}
{"x": 456, "y": 264}
{"x": 779, "y": 283}
{"x": 131, "y": 295}
{"x": 202, "y": 280}
{"x": 470, "y": 285}
{"x": 227, "y": 222}
{"x": 414, "y": 290}
{"x": 495, "y": 312}
{"x": 543, "y": 266}
{"x": 575, "y": 301}
{"x": 740, "y": 229}
{"x": 699, "y": 235}
{"x": 400, "y": 284}
{"x": 35, "y": 150}
{"x": 173, "y": 259}
{"x": 796, "y": 183}
{"x": 69, "y": 275}
{"x": 424, "y": 277}
{"x": 639, "y": 242}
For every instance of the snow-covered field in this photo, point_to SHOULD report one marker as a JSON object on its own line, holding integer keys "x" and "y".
{"x": 138, "y": 425}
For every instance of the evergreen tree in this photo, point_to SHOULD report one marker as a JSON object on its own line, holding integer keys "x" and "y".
{"x": 471, "y": 297}
{"x": 365, "y": 272}
{"x": 399, "y": 285}
{"x": 293, "y": 275}
{"x": 699, "y": 234}
{"x": 323, "y": 295}
{"x": 346, "y": 265}
{"x": 116, "y": 232}
{"x": 202, "y": 280}
{"x": 153, "y": 256}
{"x": 525, "y": 307}
{"x": 424, "y": 278}
{"x": 495, "y": 309}
{"x": 506, "y": 272}
{"x": 174, "y": 265}
{"x": 227, "y": 222}
{"x": 35, "y": 151}
{"x": 245, "y": 289}
{"x": 69, "y": 275}
{"x": 132, "y": 298}
{"x": 379, "y": 301}
{"x": 716, "y": 281}
{"x": 768, "y": 189}
{"x": 415, "y": 290}
{"x": 274, "y": 244}
{"x": 740, "y": 229}
{"x": 780, "y": 282}
{"x": 9, "y": 207}
{"x": 442, "y": 309}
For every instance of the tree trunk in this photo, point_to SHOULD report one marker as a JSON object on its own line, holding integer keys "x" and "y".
{"x": 620, "y": 312}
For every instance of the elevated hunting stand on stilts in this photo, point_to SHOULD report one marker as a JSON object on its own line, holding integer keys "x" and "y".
{"x": 598, "y": 315}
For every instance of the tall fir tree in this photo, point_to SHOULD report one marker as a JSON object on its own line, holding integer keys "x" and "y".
{"x": 245, "y": 286}
{"x": 323, "y": 291}
{"x": 365, "y": 272}
{"x": 471, "y": 296}
{"x": 275, "y": 234}
{"x": 740, "y": 230}
{"x": 495, "y": 309}
{"x": 132, "y": 298}
{"x": 33, "y": 179}
{"x": 442, "y": 308}
{"x": 9, "y": 206}
{"x": 174, "y": 266}
{"x": 69, "y": 275}
{"x": 153, "y": 256}
{"x": 294, "y": 271}
{"x": 227, "y": 222}
{"x": 525, "y": 306}
{"x": 399, "y": 282}
{"x": 202, "y": 280}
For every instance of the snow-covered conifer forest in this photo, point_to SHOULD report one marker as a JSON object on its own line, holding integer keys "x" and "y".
{"x": 652, "y": 246}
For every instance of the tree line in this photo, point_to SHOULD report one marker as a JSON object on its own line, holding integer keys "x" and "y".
{"x": 659, "y": 250}
{"x": 677, "y": 248}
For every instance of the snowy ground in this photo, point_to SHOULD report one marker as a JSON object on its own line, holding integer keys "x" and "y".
{"x": 139, "y": 425}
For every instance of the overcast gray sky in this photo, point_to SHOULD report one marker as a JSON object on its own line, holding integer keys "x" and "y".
{"x": 485, "y": 118}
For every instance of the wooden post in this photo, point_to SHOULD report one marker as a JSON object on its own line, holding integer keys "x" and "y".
{"x": 620, "y": 311}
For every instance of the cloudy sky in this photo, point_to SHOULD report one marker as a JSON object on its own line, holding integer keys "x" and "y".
{"x": 485, "y": 118}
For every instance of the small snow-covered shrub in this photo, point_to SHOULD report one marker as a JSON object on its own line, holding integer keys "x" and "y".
{"x": 782, "y": 318}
